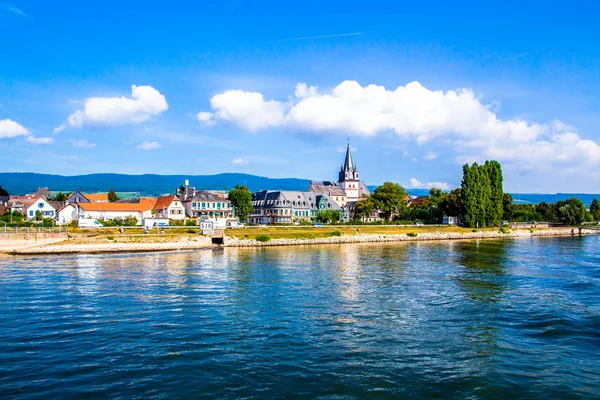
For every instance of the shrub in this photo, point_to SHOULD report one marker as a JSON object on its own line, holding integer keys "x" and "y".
{"x": 474, "y": 230}
{"x": 191, "y": 231}
{"x": 336, "y": 233}
{"x": 411, "y": 234}
{"x": 110, "y": 237}
{"x": 176, "y": 223}
{"x": 503, "y": 230}
{"x": 263, "y": 238}
{"x": 130, "y": 221}
{"x": 190, "y": 222}
{"x": 531, "y": 230}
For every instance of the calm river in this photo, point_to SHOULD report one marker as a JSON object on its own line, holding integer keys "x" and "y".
{"x": 477, "y": 319}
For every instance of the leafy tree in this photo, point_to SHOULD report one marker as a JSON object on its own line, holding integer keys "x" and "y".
{"x": 389, "y": 198}
{"x": 38, "y": 215}
{"x": 241, "y": 199}
{"x": 595, "y": 209}
{"x": 60, "y": 196}
{"x": 436, "y": 196}
{"x": 112, "y": 196}
{"x": 3, "y": 192}
{"x": 363, "y": 208}
{"x": 507, "y": 207}
{"x": 328, "y": 216}
{"x": 547, "y": 212}
{"x": 482, "y": 194}
{"x": 48, "y": 222}
{"x": 451, "y": 203}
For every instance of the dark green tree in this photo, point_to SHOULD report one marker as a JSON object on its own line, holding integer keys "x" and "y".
{"x": 507, "y": 207}
{"x": 496, "y": 193}
{"x": 595, "y": 209}
{"x": 328, "y": 216}
{"x": 60, "y": 196}
{"x": 3, "y": 192}
{"x": 546, "y": 211}
{"x": 38, "y": 215}
{"x": 482, "y": 194}
{"x": 241, "y": 199}
{"x": 363, "y": 208}
{"x": 451, "y": 203}
{"x": 435, "y": 197}
{"x": 112, "y": 196}
{"x": 389, "y": 198}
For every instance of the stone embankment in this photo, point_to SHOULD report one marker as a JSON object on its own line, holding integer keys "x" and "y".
{"x": 426, "y": 236}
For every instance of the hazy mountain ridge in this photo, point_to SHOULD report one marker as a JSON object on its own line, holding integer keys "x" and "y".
{"x": 20, "y": 183}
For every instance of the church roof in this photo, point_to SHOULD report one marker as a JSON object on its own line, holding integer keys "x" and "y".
{"x": 348, "y": 164}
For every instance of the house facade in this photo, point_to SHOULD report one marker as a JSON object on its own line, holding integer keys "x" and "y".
{"x": 286, "y": 207}
{"x": 66, "y": 214}
{"x": 208, "y": 205}
{"x": 169, "y": 207}
{"x": 139, "y": 211}
{"x": 42, "y": 205}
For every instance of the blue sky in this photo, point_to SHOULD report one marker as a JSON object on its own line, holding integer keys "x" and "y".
{"x": 274, "y": 89}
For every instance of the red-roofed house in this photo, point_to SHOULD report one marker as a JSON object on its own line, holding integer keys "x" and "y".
{"x": 169, "y": 207}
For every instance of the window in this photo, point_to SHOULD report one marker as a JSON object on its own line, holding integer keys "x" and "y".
{"x": 219, "y": 205}
{"x": 203, "y": 205}
{"x": 31, "y": 213}
{"x": 40, "y": 205}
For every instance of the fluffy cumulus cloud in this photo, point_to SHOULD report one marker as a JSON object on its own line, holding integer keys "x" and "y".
{"x": 39, "y": 140}
{"x": 144, "y": 103}
{"x": 458, "y": 117}
{"x": 149, "y": 146}
{"x": 10, "y": 129}
{"x": 239, "y": 161}
{"x": 416, "y": 184}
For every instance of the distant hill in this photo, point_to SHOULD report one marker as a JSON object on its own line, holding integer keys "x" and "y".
{"x": 22, "y": 183}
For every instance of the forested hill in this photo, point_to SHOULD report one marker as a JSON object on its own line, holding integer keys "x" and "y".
{"x": 23, "y": 183}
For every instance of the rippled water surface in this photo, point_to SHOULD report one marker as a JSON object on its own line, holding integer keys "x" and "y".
{"x": 487, "y": 319}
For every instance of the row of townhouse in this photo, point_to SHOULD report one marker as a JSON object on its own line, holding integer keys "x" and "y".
{"x": 284, "y": 207}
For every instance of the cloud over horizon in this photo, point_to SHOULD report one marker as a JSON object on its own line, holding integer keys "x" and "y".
{"x": 456, "y": 117}
{"x": 145, "y": 102}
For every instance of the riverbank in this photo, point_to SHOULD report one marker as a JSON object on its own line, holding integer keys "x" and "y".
{"x": 94, "y": 243}
{"x": 415, "y": 235}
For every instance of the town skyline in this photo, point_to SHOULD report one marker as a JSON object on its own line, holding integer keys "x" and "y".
{"x": 236, "y": 88}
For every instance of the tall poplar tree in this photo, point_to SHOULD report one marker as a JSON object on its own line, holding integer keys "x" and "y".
{"x": 482, "y": 194}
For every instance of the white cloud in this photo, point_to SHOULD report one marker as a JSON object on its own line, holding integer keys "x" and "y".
{"x": 430, "y": 155}
{"x": 248, "y": 110}
{"x": 41, "y": 140}
{"x": 471, "y": 128}
{"x": 149, "y": 146}
{"x": 82, "y": 144}
{"x": 75, "y": 159}
{"x": 239, "y": 161}
{"x": 10, "y": 129}
{"x": 416, "y": 184}
{"x": 145, "y": 102}
{"x": 206, "y": 118}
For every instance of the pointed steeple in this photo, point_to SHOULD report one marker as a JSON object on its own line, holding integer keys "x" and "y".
{"x": 348, "y": 166}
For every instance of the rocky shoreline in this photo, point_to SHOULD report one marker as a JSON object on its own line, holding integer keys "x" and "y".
{"x": 426, "y": 236}
{"x": 204, "y": 243}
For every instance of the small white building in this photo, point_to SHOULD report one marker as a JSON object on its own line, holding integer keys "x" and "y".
{"x": 450, "y": 220}
{"x": 139, "y": 211}
{"x": 66, "y": 214}
{"x": 43, "y": 206}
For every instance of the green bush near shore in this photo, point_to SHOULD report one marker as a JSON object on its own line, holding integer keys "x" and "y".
{"x": 336, "y": 233}
{"x": 263, "y": 238}
{"x": 503, "y": 230}
{"x": 412, "y": 234}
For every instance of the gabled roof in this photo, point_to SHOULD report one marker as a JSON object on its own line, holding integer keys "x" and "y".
{"x": 203, "y": 195}
{"x": 95, "y": 197}
{"x": 164, "y": 202}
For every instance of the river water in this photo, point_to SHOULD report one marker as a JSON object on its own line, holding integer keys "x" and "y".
{"x": 472, "y": 319}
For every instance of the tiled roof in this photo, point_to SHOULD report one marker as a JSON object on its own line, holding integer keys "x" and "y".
{"x": 164, "y": 202}
{"x": 148, "y": 201}
{"x": 96, "y": 196}
{"x": 203, "y": 195}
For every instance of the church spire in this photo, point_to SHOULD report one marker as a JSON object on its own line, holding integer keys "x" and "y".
{"x": 348, "y": 165}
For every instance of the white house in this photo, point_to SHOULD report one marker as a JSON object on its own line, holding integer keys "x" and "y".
{"x": 42, "y": 205}
{"x": 115, "y": 210}
{"x": 66, "y": 214}
{"x": 169, "y": 207}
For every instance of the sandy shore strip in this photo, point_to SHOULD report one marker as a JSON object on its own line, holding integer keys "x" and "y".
{"x": 425, "y": 236}
{"x": 96, "y": 248}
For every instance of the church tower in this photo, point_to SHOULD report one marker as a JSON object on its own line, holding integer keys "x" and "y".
{"x": 348, "y": 177}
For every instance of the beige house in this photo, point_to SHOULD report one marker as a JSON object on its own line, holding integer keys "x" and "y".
{"x": 169, "y": 207}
